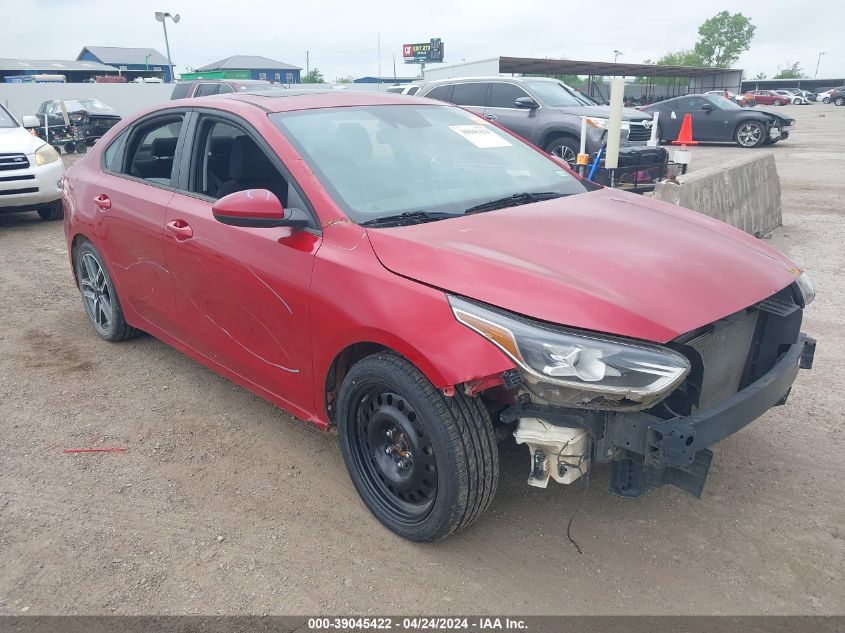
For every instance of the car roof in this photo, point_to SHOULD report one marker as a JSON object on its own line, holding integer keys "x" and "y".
{"x": 290, "y": 100}
{"x": 489, "y": 78}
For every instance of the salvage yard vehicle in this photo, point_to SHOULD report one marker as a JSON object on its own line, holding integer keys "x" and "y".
{"x": 716, "y": 119}
{"x": 545, "y": 112}
{"x": 88, "y": 120}
{"x": 30, "y": 169}
{"x": 429, "y": 284}
{"x": 209, "y": 87}
{"x": 768, "y": 97}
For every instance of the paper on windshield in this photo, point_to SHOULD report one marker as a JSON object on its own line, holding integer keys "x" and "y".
{"x": 480, "y": 136}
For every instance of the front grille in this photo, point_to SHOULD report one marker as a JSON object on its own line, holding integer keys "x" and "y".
{"x": 638, "y": 133}
{"x": 13, "y": 161}
{"x": 17, "y": 178}
{"x": 12, "y": 192}
{"x": 724, "y": 355}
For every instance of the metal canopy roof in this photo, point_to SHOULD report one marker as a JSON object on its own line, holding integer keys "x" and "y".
{"x": 118, "y": 55}
{"x": 608, "y": 69}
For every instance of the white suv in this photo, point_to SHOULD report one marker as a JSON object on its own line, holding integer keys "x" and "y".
{"x": 30, "y": 170}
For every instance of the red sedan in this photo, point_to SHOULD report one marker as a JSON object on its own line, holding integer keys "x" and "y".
{"x": 431, "y": 285}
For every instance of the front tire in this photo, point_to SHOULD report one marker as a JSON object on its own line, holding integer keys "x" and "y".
{"x": 564, "y": 147}
{"x": 52, "y": 212}
{"x": 99, "y": 296}
{"x": 776, "y": 102}
{"x": 826, "y": 100}
{"x": 839, "y": 101}
{"x": 750, "y": 134}
{"x": 425, "y": 464}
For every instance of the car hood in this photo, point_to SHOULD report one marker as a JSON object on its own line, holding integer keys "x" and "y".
{"x": 606, "y": 261}
{"x": 15, "y": 140}
{"x": 777, "y": 116}
{"x": 602, "y": 111}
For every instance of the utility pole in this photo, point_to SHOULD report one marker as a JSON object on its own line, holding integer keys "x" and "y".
{"x": 379, "y": 59}
{"x": 394, "y": 67}
{"x": 307, "y": 64}
{"x": 818, "y": 61}
{"x": 162, "y": 16}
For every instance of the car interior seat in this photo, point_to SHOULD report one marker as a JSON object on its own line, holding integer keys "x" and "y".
{"x": 249, "y": 168}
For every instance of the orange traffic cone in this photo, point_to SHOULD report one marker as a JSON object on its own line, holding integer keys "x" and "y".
{"x": 685, "y": 137}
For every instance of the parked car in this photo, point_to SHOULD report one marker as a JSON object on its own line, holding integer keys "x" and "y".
{"x": 792, "y": 97}
{"x": 838, "y": 96}
{"x": 89, "y": 118}
{"x": 427, "y": 282}
{"x": 824, "y": 96}
{"x": 543, "y": 111}
{"x": 767, "y": 97}
{"x": 405, "y": 89}
{"x": 30, "y": 169}
{"x": 208, "y": 87}
{"x": 716, "y": 119}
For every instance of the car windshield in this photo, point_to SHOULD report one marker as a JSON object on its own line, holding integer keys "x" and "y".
{"x": 556, "y": 95}
{"x": 383, "y": 161}
{"x": 6, "y": 119}
{"x": 87, "y": 105}
{"x": 722, "y": 103}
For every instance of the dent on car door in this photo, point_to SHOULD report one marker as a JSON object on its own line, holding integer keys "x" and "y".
{"x": 243, "y": 293}
{"x": 129, "y": 206}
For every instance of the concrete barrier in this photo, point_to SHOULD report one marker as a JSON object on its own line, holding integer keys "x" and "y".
{"x": 744, "y": 192}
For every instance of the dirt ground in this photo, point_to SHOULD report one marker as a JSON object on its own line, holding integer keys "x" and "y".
{"x": 223, "y": 504}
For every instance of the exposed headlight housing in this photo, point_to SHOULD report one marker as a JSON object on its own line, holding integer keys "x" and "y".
{"x": 806, "y": 288}
{"x": 45, "y": 155}
{"x": 578, "y": 369}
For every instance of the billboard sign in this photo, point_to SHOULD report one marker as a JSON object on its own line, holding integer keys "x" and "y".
{"x": 431, "y": 51}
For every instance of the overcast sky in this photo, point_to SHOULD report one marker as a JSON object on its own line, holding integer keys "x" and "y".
{"x": 342, "y": 36}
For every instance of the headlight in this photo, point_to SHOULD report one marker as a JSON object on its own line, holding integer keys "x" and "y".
{"x": 806, "y": 287}
{"x": 578, "y": 369}
{"x": 45, "y": 155}
{"x": 602, "y": 123}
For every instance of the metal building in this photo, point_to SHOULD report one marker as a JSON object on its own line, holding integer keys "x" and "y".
{"x": 257, "y": 67}
{"x": 49, "y": 70}
{"x": 130, "y": 62}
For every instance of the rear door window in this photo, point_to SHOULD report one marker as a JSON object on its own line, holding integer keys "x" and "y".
{"x": 152, "y": 149}
{"x": 470, "y": 94}
{"x": 206, "y": 90}
{"x": 442, "y": 93}
{"x": 180, "y": 91}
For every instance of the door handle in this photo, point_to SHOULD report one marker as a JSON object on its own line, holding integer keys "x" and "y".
{"x": 492, "y": 117}
{"x": 180, "y": 229}
{"x": 102, "y": 201}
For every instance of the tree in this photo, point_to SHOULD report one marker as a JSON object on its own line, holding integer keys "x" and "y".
{"x": 684, "y": 57}
{"x": 313, "y": 77}
{"x": 793, "y": 71}
{"x": 723, "y": 38}
{"x": 759, "y": 76}
{"x": 345, "y": 80}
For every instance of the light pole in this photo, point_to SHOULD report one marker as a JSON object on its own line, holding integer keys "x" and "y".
{"x": 616, "y": 55}
{"x": 161, "y": 16}
{"x": 818, "y": 61}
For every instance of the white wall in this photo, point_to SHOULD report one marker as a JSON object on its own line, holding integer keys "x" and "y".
{"x": 481, "y": 68}
{"x": 23, "y": 99}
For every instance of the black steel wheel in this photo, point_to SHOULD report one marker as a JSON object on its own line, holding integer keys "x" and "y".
{"x": 99, "y": 295}
{"x": 425, "y": 464}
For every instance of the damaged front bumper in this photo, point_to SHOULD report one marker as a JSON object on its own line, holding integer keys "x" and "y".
{"x": 647, "y": 451}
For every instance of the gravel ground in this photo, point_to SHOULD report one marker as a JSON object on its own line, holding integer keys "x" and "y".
{"x": 223, "y": 504}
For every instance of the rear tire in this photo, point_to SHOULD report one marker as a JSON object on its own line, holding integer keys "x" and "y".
{"x": 425, "y": 464}
{"x": 52, "y": 212}
{"x": 826, "y": 100}
{"x": 99, "y": 296}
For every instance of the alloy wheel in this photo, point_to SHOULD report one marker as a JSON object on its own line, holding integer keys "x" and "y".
{"x": 749, "y": 134}
{"x": 564, "y": 152}
{"x": 96, "y": 292}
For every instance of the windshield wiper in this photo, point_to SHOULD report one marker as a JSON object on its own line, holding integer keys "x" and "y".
{"x": 514, "y": 201}
{"x": 408, "y": 217}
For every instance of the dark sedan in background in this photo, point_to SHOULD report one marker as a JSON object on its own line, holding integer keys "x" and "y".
{"x": 720, "y": 120}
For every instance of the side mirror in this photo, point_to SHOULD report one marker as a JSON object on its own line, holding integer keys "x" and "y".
{"x": 257, "y": 208}
{"x": 30, "y": 121}
{"x": 527, "y": 103}
{"x": 707, "y": 107}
